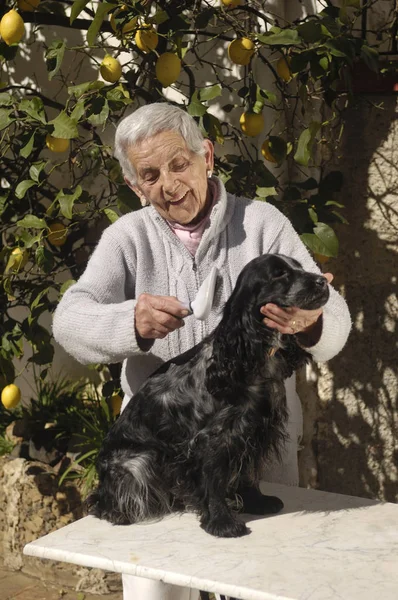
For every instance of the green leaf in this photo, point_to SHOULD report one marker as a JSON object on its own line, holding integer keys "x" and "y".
{"x": 203, "y": 18}
{"x": 66, "y": 285}
{"x": 304, "y": 146}
{"x": 64, "y": 127}
{"x": 210, "y": 93}
{"x": 196, "y": 108}
{"x": 5, "y": 119}
{"x": 78, "y": 111}
{"x": 34, "y": 108}
{"x": 37, "y": 301}
{"x": 44, "y": 259}
{"x": 66, "y": 201}
{"x": 313, "y": 215}
{"x": 323, "y": 241}
{"x": 32, "y": 222}
{"x": 310, "y": 31}
{"x": 77, "y": 8}
{"x": 370, "y": 57}
{"x": 23, "y": 187}
{"x": 265, "y": 192}
{"x": 36, "y": 169}
{"x": 212, "y": 126}
{"x": 26, "y": 150}
{"x": 286, "y": 37}
{"x": 127, "y": 199}
{"x": 99, "y": 111}
{"x": 5, "y": 99}
{"x": 54, "y": 56}
{"x": 95, "y": 26}
{"x": 82, "y": 88}
{"x": 111, "y": 214}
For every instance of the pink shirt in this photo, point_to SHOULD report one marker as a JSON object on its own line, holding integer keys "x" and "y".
{"x": 190, "y": 235}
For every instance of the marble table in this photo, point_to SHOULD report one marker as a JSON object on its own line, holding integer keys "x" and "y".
{"x": 322, "y": 546}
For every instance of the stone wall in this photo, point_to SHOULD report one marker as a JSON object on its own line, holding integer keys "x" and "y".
{"x": 33, "y": 504}
{"x": 351, "y": 430}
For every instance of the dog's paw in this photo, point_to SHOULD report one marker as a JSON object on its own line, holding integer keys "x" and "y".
{"x": 256, "y": 503}
{"x": 272, "y": 504}
{"x": 225, "y": 527}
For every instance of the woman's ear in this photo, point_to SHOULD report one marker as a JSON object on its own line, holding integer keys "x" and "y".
{"x": 209, "y": 154}
{"x": 137, "y": 191}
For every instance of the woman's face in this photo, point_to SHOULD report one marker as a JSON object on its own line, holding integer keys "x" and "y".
{"x": 171, "y": 177}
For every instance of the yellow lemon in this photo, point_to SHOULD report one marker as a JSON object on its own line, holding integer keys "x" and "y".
{"x": 283, "y": 69}
{"x": 116, "y": 404}
{"x": 17, "y": 260}
{"x": 11, "y": 396}
{"x": 231, "y": 3}
{"x": 12, "y": 27}
{"x": 146, "y": 38}
{"x": 57, "y": 144}
{"x": 111, "y": 69}
{"x": 123, "y": 27}
{"x": 58, "y": 234}
{"x": 251, "y": 123}
{"x": 168, "y": 68}
{"x": 28, "y": 5}
{"x": 241, "y": 50}
{"x": 266, "y": 152}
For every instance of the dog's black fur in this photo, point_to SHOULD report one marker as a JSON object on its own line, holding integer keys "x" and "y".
{"x": 201, "y": 429}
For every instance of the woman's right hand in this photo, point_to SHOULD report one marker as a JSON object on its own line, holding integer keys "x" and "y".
{"x": 157, "y": 316}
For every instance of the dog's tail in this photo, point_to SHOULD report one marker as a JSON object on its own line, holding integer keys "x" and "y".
{"x": 129, "y": 490}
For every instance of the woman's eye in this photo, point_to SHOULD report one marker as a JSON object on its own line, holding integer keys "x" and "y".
{"x": 180, "y": 166}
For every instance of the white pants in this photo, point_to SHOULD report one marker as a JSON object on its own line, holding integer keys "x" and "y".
{"x": 284, "y": 472}
{"x": 138, "y": 588}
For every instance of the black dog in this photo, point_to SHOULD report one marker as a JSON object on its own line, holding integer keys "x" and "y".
{"x": 202, "y": 427}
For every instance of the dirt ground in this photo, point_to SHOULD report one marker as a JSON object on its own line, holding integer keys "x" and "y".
{"x": 15, "y": 585}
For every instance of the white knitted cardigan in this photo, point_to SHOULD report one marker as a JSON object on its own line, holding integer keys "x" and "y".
{"x": 139, "y": 253}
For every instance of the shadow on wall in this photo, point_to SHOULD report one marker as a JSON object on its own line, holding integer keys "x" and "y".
{"x": 356, "y": 429}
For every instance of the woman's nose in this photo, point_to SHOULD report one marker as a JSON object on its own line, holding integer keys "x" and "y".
{"x": 168, "y": 182}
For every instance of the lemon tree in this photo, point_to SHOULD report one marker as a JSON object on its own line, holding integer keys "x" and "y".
{"x": 60, "y": 183}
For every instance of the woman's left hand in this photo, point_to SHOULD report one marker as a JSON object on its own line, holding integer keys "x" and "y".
{"x": 292, "y": 320}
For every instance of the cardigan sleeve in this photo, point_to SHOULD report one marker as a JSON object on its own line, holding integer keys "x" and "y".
{"x": 336, "y": 321}
{"x": 94, "y": 321}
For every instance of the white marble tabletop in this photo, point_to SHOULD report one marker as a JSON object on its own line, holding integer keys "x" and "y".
{"x": 322, "y": 546}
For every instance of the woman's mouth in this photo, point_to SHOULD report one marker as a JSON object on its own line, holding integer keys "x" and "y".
{"x": 178, "y": 201}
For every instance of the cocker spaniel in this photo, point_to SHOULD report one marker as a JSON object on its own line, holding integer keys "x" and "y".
{"x": 200, "y": 430}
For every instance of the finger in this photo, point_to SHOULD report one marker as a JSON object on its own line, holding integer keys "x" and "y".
{"x": 282, "y": 328}
{"x": 281, "y": 315}
{"x": 169, "y": 305}
{"x": 167, "y": 321}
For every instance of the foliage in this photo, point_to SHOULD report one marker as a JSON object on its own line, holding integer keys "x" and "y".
{"x": 75, "y": 184}
{"x": 71, "y": 418}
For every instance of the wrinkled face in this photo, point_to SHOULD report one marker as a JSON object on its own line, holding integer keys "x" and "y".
{"x": 281, "y": 280}
{"x": 171, "y": 177}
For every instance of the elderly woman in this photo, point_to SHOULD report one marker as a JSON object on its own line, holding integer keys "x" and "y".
{"x": 129, "y": 303}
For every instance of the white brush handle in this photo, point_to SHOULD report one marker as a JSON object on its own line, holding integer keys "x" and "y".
{"x": 203, "y": 302}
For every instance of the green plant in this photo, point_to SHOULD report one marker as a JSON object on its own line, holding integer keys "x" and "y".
{"x": 95, "y": 418}
{"x": 58, "y": 169}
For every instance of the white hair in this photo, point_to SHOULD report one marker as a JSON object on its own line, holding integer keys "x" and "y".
{"x": 149, "y": 120}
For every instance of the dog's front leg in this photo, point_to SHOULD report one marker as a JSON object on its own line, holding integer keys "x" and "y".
{"x": 216, "y": 518}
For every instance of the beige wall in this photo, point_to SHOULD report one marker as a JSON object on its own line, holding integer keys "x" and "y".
{"x": 354, "y": 425}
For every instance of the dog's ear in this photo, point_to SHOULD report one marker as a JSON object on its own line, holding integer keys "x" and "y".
{"x": 239, "y": 347}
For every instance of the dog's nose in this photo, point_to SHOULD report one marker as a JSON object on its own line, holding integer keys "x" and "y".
{"x": 321, "y": 281}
